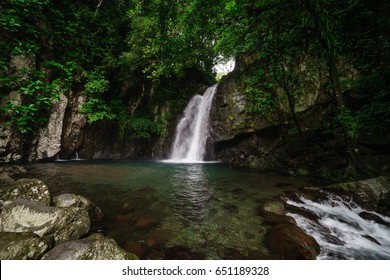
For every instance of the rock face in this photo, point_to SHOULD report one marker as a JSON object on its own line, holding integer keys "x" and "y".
{"x": 10, "y": 144}
{"x": 23, "y": 246}
{"x": 367, "y": 193}
{"x": 31, "y": 189}
{"x": 271, "y": 141}
{"x": 246, "y": 140}
{"x": 49, "y": 139}
{"x": 29, "y": 216}
{"x": 291, "y": 242}
{"x": 94, "y": 247}
{"x": 74, "y": 124}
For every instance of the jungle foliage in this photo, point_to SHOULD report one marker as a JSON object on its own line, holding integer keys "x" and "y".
{"x": 97, "y": 46}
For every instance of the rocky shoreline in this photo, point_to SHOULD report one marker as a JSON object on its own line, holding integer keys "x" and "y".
{"x": 34, "y": 225}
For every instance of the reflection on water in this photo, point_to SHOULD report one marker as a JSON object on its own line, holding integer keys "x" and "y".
{"x": 150, "y": 207}
{"x": 189, "y": 192}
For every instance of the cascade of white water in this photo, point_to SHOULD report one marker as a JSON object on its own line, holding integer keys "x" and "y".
{"x": 193, "y": 129}
{"x": 342, "y": 232}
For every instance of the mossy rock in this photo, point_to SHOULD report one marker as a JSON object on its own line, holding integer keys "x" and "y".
{"x": 23, "y": 245}
{"x": 30, "y": 216}
{"x": 29, "y": 189}
{"x": 368, "y": 193}
{"x": 94, "y": 247}
{"x": 275, "y": 207}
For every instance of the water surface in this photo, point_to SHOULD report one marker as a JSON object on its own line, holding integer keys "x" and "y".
{"x": 151, "y": 207}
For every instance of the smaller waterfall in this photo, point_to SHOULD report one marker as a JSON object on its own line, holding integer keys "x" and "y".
{"x": 193, "y": 129}
{"x": 77, "y": 156}
{"x": 342, "y": 232}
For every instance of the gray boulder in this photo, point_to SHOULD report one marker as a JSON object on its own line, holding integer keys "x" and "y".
{"x": 23, "y": 245}
{"x": 94, "y": 247}
{"x": 73, "y": 200}
{"x": 29, "y": 189}
{"x": 30, "y": 216}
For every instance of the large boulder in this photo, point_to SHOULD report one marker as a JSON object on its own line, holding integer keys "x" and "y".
{"x": 23, "y": 245}
{"x": 29, "y": 189}
{"x": 368, "y": 193}
{"x": 73, "y": 200}
{"x": 30, "y": 216}
{"x": 94, "y": 247}
{"x": 291, "y": 242}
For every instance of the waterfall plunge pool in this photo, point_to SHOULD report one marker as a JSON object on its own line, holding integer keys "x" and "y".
{"x": 151, "y": 207}
{"x": 202, "y": 210}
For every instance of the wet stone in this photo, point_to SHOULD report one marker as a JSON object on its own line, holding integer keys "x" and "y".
{"x": 372, "y": 239}
{"x": 372, "y": 217}
{"x": 291, "y": 242}
{"x": 146, "y": 223}
{"x": 23, "y": 246}
{"x": 94, "y": 247}
{"x": 275, "y": 207}
{"x": 138, "y": 248}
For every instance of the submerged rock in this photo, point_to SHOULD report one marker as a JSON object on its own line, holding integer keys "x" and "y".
{"x": 182, "y": 253}
{"x": 30, "y": 216}
{"x": 73, "y": 200}
{"x": 275, "y": 207}
{"x": 30, "y": 189}
{"x": 372, "y": 217}
{"x": 23, "y": 245}
{"x": 94, "y": 247}
{"x": 292, "y": 243}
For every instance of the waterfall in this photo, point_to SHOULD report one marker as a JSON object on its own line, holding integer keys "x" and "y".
{"x": 193, "y": 129}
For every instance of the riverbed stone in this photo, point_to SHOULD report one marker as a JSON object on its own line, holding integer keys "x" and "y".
{"x": 275, "y": 207}
{"x": 373, "y": 217}
{"x": 29, "y": 189}
{"x": 94, "y": 247}
{"x": 30, "y": 216}
{"x": 23, "y": 245}
{"x": 291, "y": 242}
{"x": 73, "y": 200}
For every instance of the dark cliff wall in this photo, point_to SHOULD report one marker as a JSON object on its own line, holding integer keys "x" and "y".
{"x": 272, "y": 142}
